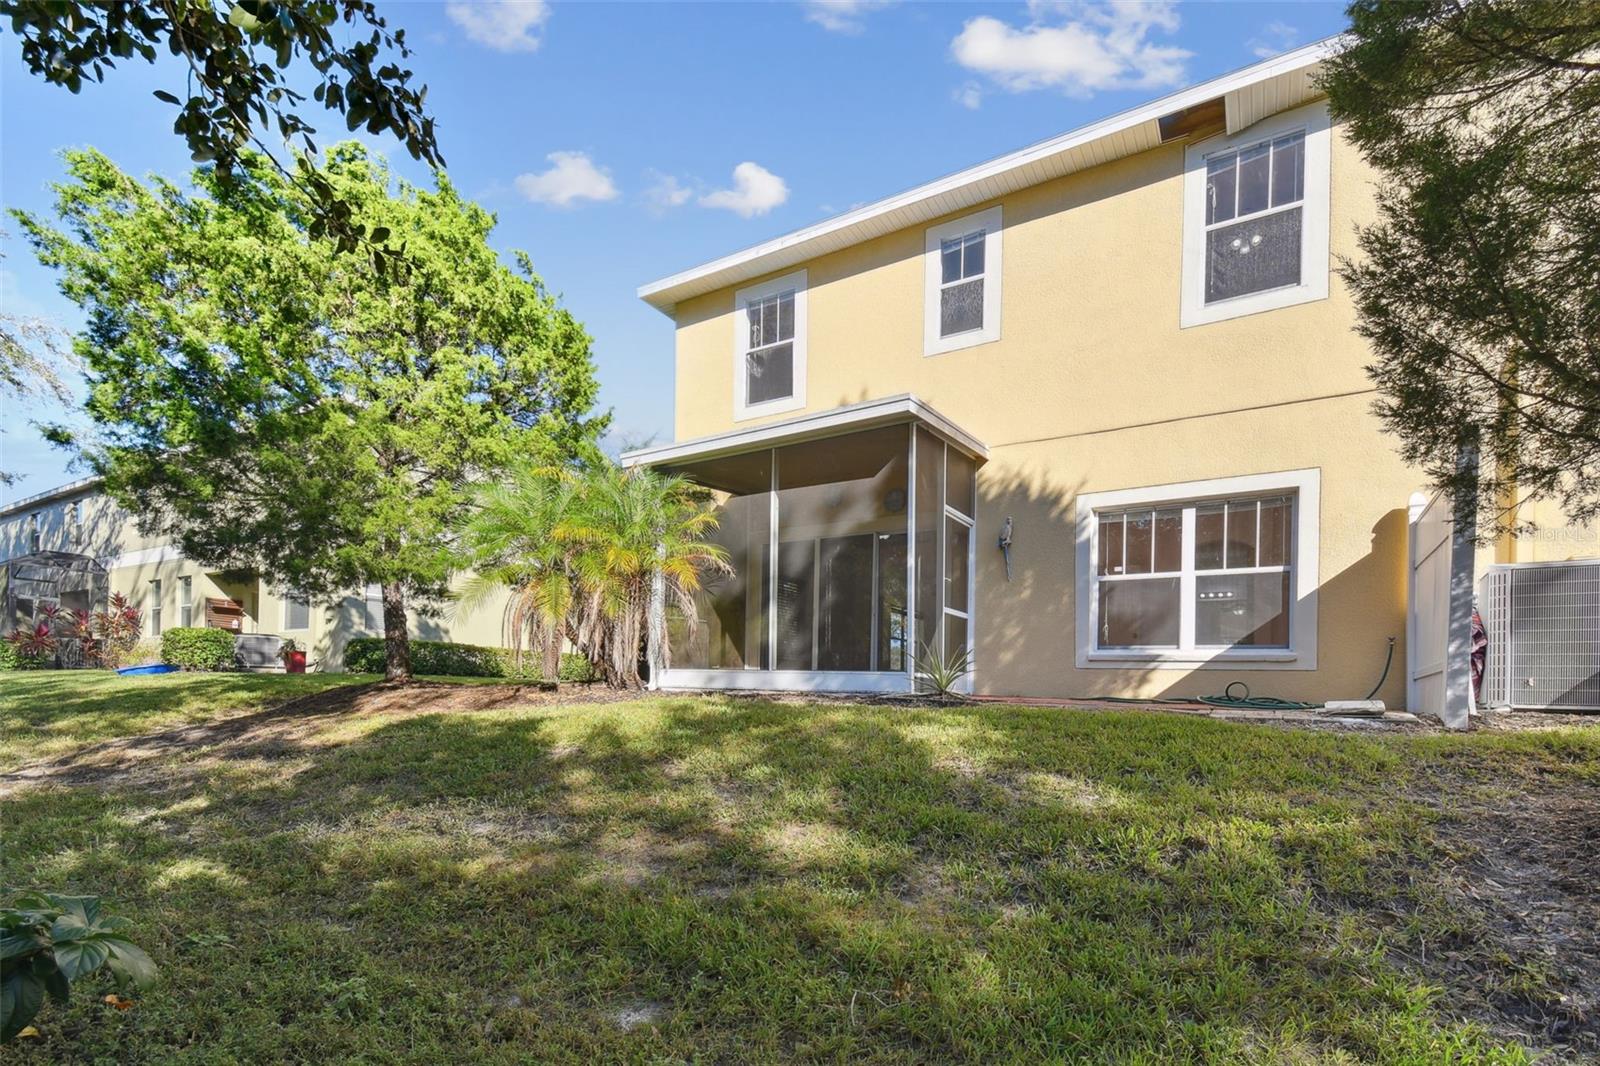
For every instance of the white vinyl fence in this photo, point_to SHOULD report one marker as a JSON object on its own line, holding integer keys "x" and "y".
{"x": 1439, "y": 614}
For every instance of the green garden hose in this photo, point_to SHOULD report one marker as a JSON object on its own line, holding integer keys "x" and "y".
{"x": 1245, "y": 701}
{"x": 1386, "y": 664}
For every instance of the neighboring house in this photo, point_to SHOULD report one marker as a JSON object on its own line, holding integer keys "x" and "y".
{"x": 79, "y": 522}
{"x": 1125, "y": 352}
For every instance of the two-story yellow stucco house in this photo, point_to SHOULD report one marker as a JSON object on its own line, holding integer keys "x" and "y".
{"x": 1092, "y": 415}
{"x": 1087, "y": 419}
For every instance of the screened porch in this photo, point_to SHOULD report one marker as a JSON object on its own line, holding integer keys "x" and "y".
{"x": 850, "y": 537}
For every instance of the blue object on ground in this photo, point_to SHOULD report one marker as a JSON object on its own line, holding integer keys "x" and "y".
{"x": 151, "y": 668}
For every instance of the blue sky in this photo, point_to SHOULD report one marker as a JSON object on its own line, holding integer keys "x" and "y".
{"x": 618, "y": 143}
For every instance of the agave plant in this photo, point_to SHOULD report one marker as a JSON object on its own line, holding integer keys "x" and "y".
{"x": 939, "y": 673}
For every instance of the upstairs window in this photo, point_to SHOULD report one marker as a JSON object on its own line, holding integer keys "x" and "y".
{"x": 963, "y": 283}
{"x": 769, "y": 361}
{"x": 769, "y": 347}
{"x": 1254, "y": 209}
{"x": 1256, "y": 218}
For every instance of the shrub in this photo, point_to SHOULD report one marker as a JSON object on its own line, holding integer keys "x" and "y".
{"x": 14, "y": 654}
{"x": 365, "y": 655}
{"x": 113, "y": 632}
{"x": 51, "y": 941}
{"x": 147, "y": 650}
{"x": 575, "y": 666}
{"x": 196, "y": 648}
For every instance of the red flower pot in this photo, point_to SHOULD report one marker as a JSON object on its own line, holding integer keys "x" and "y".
{"x": 295, "y": 662}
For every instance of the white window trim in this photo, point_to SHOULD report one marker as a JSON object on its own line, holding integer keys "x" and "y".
{"x": 1306, "y": 485}
{"x": 1193, "y": 310}
{"x": 743, "y": 410}
{"x": 990, "y": 222}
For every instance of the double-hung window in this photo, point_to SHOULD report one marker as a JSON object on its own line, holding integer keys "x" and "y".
{"x": 155, "y": 607}
{"x": 962, "y": 277}
{"x": 1255, "y": 208}
{"x": 770, "y": 347}
{"x": 1256, "y": 218}
{"x": 1220, "y": 570}
{"x": 186, "y": 601}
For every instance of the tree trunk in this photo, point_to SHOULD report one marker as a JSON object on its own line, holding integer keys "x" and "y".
{"x": 396, "y": 640}
{"x": 552, "y": 653}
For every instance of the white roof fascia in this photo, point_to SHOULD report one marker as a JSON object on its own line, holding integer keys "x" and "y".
{"x": 1128, "y": 132}
{"x": 840, "y": 420}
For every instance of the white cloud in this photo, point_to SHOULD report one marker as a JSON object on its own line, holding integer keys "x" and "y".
{"x": 572, "y": 177}
{"x": 1275, "y": 38}
{"x": 666, "y": 191}
{"x": 842, "y": 16}
{"x": 1077, "y": 46}
{"x": 756, "y": 190}
{"x": 969, "y": 96}
{"x": 504, "y": 25}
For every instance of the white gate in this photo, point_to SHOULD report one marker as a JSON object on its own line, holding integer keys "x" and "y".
{"x": 1439, "y": 613}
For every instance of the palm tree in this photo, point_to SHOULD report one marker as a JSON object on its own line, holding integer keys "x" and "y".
{"x": 581, "y": 551}
{"x": 517, "y": 540}
{"x": 638, "y": 527}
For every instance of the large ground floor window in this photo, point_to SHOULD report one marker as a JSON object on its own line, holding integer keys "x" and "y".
{"x": 1214, "y": 575}
{"x": 1220, "y": 570}
{"x": 849, "y": 553}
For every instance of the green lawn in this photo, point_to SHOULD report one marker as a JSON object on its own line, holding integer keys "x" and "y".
{"x": 718, "y": 880}
{"x": 47, "y": 716}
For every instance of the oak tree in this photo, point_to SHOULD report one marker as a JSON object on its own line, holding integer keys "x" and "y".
{"x": 275, "y": 406}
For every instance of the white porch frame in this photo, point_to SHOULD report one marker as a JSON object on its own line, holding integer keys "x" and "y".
{"x": 904, "y": 410}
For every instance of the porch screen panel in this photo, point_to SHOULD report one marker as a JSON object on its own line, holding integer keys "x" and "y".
{"x": 841, "y": 518}
{"x": 729, "y": 627}
{"x": 893, "y": 624}
{"x": 929, "y": 542}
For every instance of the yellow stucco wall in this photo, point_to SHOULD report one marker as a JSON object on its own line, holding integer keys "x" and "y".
{"x": 1554, "y": 538}
{"x": 1093, "y": 386}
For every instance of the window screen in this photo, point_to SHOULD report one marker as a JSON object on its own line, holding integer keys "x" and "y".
{"x": 769, "y": 355}
{"x": 1254, "y": 216}
{"x": 961, "y": 267}
{"x": 1241, "y": 573}
{"x": 296, "y": 613}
